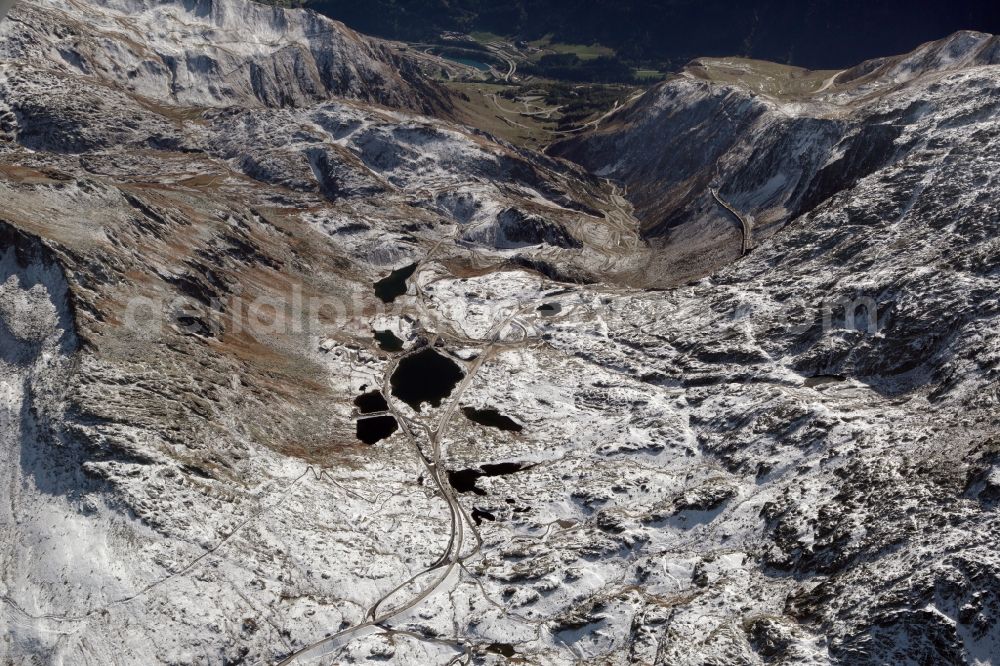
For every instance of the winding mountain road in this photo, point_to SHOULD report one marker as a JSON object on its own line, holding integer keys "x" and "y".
{"x": 451, "y": 559}
{"x": 745, "y": 224}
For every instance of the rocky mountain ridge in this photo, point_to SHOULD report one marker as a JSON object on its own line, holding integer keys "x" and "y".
{"x": 213, "y": 53}
{"x": 777, "y": 141}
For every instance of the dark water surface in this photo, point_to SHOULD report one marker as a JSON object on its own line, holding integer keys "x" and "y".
{"x": 549, "y": 309}
{"x": 464, "y": 480}
{"x": 388, "y": 341}
{"x": 394, "y": 284}
{"x": 371, "y": 402}
{"x": 492, "y": 418}
{"x": 425, "y": 376}
{"x": 376, "y": 428}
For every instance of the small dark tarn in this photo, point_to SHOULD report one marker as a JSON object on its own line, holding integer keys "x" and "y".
{"x": 491, "y": 418}
{"x": 371, "y": 402}
{"x": 479, "y": 515}
{"x": 426, "y": 376}
{"x": 388, "y": 341}
{"x": 819, "y": 380}
{"x": 376, "y": 428}
{"x": 549, "y": 309}
{"x": 464, "y": 480}
{"x": 393, "y": 285}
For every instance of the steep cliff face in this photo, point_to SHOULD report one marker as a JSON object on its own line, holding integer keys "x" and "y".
{"x": 778, "y": 141}
{"x": 213, "y": 293}
{"x": 216, "y": 53}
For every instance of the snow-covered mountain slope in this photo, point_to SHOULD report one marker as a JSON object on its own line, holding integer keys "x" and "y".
{"x": 778, "y": 141}
{"x": 793, "y": 460}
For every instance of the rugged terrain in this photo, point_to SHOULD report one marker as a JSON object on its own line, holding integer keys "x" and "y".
{"x": 786, "y": 457}
{"x": 777, "y": 141}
